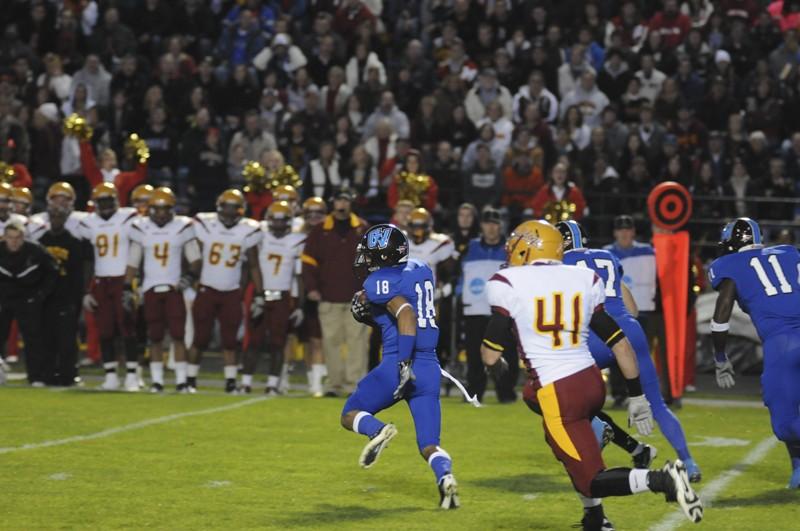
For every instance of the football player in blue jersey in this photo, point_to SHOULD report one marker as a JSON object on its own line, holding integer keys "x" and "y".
{"x": 764, "y": 281}
{"x": 398, "y": 298}
{"x": 619, "y": 304}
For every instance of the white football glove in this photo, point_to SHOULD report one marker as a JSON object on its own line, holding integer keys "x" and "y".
{"x": 296, "y": 317}
{"x": 3, "y": 372}
{"x": 257, "y": 307}
{"x": 186, "y": 282}
{"x": 406, "y": 375}
{"x": 640, "y": 415}
{"x": 89, "y": 302}
{"x": 725, "y": 373}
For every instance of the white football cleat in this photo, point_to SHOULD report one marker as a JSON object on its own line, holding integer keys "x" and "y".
{"x": 448, "y": 492}
{"x": 685, "y": 495}
{"x": 131, "y": 382}
{"x": 373, "y": 449}
{"x": 111, "y": 382}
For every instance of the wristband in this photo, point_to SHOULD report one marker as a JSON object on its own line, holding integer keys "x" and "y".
{"x": 405, "y": 346}
{"x": 634, "y": 386}
{"x": 720, "y": 357}
{"x": 719, "y": 327}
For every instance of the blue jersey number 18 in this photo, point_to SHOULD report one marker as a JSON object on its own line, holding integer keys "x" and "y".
{"x": 426, "y": 311}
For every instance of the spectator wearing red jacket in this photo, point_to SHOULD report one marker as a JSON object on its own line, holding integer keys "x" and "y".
{"x": 559, "y": 189}
{"x": 107, "y": 171}
{"x": 671, "y": 24}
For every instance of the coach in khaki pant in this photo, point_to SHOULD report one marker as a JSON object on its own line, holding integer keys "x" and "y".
{"x": 328, "y": 277}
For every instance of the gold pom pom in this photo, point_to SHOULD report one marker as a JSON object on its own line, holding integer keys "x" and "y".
{"x": 255, "y": 177}
{"x": 556, "y": 211}
{"x": 7, "y": 173}
{"x": 136, "y": 147}
{"x": 283, "y": 176}
{"x": 76, "y": 126}
{"x": 412, "y": 187}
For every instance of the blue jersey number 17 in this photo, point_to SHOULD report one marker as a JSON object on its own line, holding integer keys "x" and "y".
{"x": 608, "y": 265}
{"x": 426, "y": 311}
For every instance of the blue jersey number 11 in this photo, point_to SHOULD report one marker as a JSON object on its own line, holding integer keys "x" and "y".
{"x": 426, "y": 311}
{"x": 769, "y": 287}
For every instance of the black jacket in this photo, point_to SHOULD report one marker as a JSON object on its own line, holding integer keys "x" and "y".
{"x": 70, "y": 255}
{"x": 28, "y": 273}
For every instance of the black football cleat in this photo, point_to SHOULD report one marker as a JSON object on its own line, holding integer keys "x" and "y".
{"x": 376, "y": 445}
{"x": 594, "y": 519}
{"x": 156, "y": 387}
{"x": 230, "y": 386}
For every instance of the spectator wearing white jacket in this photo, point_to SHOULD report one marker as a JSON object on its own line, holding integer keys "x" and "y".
{"x": 650, "y": 78}
{"x": 281, "y": 50}
{"x": 383, "y": 144}
{"x": 588, "y": 98}
{"x": 503, "y": 127}
{"x": 535, "y": 93}
{"x": 358, "y": 66}
{"x": 485, "y": 91}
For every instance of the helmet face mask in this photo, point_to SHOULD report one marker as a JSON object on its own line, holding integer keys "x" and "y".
{"x": 419, "y": 225}
{"x": 161, "y": 214}
{"x": 279, "y": 218}
{"x": 106, "y": 206}
{"x": 230, "y": 207}
{"x": 738, "y": 234}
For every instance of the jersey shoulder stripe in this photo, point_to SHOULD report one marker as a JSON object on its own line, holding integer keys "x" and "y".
{"x": 500, "y": 278}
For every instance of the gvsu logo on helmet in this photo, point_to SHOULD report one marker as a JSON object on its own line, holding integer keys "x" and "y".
{"x": 379, "y": 238}
{"x": 476, "y": 286}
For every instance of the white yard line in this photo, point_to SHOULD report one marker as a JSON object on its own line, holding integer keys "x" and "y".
{"x": 714, "y": 402}
{"x": 712, "y": 489}
{"x": 130, "y": 427}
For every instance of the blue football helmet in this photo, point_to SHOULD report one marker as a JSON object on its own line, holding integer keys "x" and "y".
{"x": 573, "y": 234}
{"x": 383, "y": 245}
{"x": 739, "y": 233}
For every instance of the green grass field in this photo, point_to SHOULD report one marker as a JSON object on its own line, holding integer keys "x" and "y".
{"x": 141, "y": 461}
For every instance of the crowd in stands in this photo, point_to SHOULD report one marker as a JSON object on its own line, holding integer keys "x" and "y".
{"x": 515, "y": 103}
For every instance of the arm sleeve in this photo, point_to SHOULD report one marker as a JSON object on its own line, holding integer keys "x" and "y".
{"x": 89, "y": 165}
{"x": 134, "y": 254}
{"x": 380, "y": 288}
{"x": 498, "y": 332}
{"x": 253, "y": 239}
{"x": 606, "y": 328}
{"x": 717, "y": 272}
{"x": 128, "y": 180}
{"x": 191, "y": 250}
{"x": 597, "y": 294}
{"x": 499, "y": 293}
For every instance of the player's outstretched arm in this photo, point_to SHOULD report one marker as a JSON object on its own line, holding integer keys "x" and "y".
{"x": 406, "y": 339}
{"x": 719, "y": 332}
{"x": 607, "y": 329}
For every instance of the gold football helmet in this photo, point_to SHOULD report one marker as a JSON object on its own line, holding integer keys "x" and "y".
{"x": 285, "y": 192}
{"x": 162, "y": 197}
{"x": 22, "y": 199}
{"x": 419, "y": 224}
{"x": 140, "y": 198}
{"x": 230, "y": 206}
{"x": 532, "y": 241}
{"x": 61, "y": 188}
{"x": 104, "y": 191}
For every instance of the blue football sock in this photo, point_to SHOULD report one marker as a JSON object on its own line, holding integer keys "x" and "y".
{"x": 366, "y": 424}
{"x": 440, "y": 463}
{"x": 670, "y": 426}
